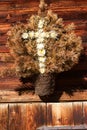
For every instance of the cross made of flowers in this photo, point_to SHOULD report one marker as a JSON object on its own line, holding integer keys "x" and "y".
{"x": 40, "y": 36}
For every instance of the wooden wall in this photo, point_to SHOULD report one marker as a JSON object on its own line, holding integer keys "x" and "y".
{"x": 22, "y": 109}
{"x": 32, "y": 116}
{"x": 69, "y": 83}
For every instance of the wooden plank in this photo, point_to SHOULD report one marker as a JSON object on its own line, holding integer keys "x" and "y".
{"x": 29, "y": 95}
{"x": 57, "y": 114}
{"x": 61, "y": 3}
{"x": 67, "y": 114}
{"x": 68, "y": 3}
{"x": 85, "y": 112}
{"x": 19, "y": 14}
{"x": 71, "y": 11}
{"x": 73, "y": 96}
{"x": 55, "y": 4}
{"x": 10, "y": 84}
{"x": 38, "y": 113}
{"x": 27, "y": 116}
{"x": 50, "y": 117}
{"x": 17, "y": 119}
{"x": 3, "y": 116}
{"x": 24, "y": 7}
{"x": 13, "y": 96}
{"x": 78, "y": 113}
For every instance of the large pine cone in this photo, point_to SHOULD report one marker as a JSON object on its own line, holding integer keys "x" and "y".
{"x": 45, "y": 84}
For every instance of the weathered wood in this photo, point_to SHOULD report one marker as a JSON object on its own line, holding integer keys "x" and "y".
{"x": 17, "y": 117}
{"x": 78, "y": 113}
{"x": 13, "y": 96}
{"x": 29, "y": 95}
{"x": 69, "y": 84}
{"x": 3, "y": 116}
{"x": 26, "y": 116}
{"x": 38, "y": 112}
{"x": 57, "y": 114}
{"x": 67, "y": 114}
{"x": 85, "y": 112}
{"x": 73, "y": 96}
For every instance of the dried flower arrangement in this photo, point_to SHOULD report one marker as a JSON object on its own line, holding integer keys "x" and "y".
{"x": 44, "y": 46}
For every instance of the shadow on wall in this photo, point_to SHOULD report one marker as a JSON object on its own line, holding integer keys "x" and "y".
{"x": 68, "y": 82}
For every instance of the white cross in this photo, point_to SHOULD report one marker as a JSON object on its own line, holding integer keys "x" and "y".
{"x": 40, "y": 36}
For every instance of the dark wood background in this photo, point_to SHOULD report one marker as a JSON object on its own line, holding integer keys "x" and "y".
{"x": 22, "y": 109}
{"x": 71, "y": 85}
{"x": 30, "y": 116}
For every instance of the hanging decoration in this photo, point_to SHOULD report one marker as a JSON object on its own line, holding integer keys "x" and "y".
{"x": 44, "y": 46}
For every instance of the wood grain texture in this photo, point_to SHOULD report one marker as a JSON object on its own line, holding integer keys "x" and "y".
{"x": 85, "y": 112}
{"x": 60, "y": 114}
{"x": 71, "y": 85}
{"x": 72, "y": 115}
{"x": 3, "y": 116}
{"x": 78, "y": 113}
{"x": 30, "y": 96}
{"x": 26, "y": 116}
{"x": 43, "y": 116}
{"x": 16, "y": 117}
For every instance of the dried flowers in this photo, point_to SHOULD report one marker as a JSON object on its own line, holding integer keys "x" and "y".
{"x": 44, "y": 45}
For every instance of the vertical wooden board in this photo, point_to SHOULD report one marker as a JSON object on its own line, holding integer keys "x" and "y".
{"x": 67, "y": 114}
{"x": 36, "y": 115}
{"x": 17, "y": 118}
{"x": 78, "y": 113}
{"x": 53, "y": 114}
{"x": 59, "y": 114}
{"x": 3, "y": 116}
{"x": 85, "y": 112}
{"x": 49, "y": 114}
{"x": 27, "y": 116}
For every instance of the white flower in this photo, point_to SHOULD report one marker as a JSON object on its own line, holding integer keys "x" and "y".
{"x": 41, "y": 24}
{"x": 42, "y": 59}
{"x": 43, "y": 34}
{"x": 41, "y": 65}
{"x": 41, "y": 52}
{"x": 40, "y": 31}
{"x": 31, "y": 34}
{"x": 40, "y": 46}
{"x": 47, "y": 35}
{"x": 42, "y": 70}
{"x": 25, "y": 35}
{"x": 40, "y": 39}
{"x": 53, "y": 34}
{"x": 37, "y": 34}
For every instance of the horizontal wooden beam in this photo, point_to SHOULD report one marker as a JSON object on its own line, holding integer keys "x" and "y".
{"x": 13, "y": 96}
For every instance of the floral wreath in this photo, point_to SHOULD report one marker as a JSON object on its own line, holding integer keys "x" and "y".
{"x": 44, "y": 45}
